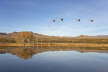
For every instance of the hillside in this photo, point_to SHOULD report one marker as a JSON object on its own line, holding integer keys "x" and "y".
{"x": 30, "y": 37}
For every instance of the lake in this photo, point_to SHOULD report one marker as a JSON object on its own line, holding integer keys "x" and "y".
{"x": 53, "y": 59}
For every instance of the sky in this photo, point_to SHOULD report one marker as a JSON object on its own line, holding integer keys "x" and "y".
{"x": 37, "y": 16}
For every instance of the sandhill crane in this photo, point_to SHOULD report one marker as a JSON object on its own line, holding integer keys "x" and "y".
{"x": 54, "y": 20}
{"x": 92, "y": 20}
{"x": 62, "y": 19}
{"x": 79, "y": 20}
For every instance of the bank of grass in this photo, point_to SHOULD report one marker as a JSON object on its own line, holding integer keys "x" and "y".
{"x": 54, "y": 44}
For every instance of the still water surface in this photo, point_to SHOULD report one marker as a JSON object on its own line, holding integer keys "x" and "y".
{"x": 53, "y": 60}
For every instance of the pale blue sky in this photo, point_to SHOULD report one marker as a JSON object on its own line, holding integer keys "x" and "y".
{"x": 37, "y": 15}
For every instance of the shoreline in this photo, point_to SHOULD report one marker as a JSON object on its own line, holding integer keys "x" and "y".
{"x": 53, "y": 44}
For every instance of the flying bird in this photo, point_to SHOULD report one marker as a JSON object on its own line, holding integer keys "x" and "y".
{"x": 54, "y": 20}
{"x": 62, "y": 19}
{"x": 91, "y": 20}
{"x": 79, "y": 20}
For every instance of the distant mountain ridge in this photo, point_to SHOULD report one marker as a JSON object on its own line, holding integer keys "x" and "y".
{"x": 30, "y": 37}
{"x": 3, "y": 33}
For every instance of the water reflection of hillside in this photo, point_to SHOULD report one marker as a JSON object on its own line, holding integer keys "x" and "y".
{"x": 27, "y": 53}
